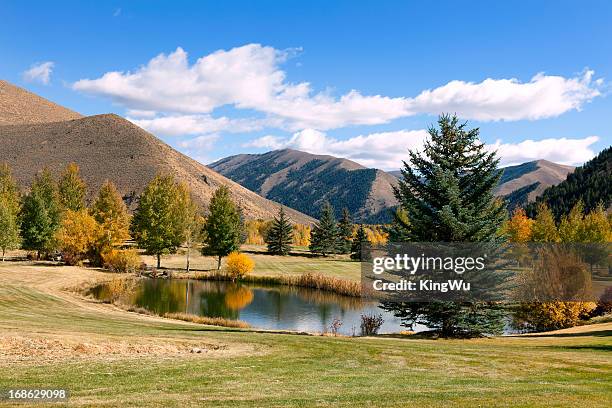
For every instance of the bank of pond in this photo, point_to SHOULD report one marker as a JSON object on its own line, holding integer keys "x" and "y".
{"x": 260, "y": 305}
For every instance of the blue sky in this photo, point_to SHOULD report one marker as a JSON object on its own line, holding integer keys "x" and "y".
{"x": 361, "y": 80}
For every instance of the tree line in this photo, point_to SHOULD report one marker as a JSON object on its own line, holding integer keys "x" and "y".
{"x": 53, "y": 216}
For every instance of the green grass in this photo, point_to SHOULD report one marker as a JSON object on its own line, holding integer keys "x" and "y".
{"x": 281, "y": 370}
{"x": 298, "y": 263}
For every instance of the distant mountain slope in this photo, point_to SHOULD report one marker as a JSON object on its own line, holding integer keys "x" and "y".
{"x": 18, "y": 106}
{"x": 304, "y": 181}
{"x": 592, "y": 183}
{"x": 111, "y": 147}
{"x": 522, "y": 183}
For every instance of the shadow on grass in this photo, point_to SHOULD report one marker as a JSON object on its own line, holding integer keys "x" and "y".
{"x": 594, "y": 347}
{"x": 596, "y": 333}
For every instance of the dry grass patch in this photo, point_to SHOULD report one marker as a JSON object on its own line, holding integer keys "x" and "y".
{"x": 212, "y": 321}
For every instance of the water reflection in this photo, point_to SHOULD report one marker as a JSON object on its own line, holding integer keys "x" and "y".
{"x": 262, "y": 306}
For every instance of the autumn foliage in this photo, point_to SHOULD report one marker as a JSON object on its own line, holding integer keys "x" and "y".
{"x": 238, "y": 265}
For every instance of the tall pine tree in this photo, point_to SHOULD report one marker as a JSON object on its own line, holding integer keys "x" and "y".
{"x": 447, "y": 191}
{"x": 223, "y": 228}
{"x": 345, "y": 231}
{"x": 325, "y": 235}
{"x": 360, "y": 238}
{"x": 280, "y": 234}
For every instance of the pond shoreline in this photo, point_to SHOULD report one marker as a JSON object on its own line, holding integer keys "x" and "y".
{"x": 307, "y": 280}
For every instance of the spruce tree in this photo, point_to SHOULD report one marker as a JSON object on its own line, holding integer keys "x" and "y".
{"x": 360, "y": 238}
{"x": 325, "y": 235}
{"x": 9, "y": 211}
{"x": 280, "y": 234}
{"x": 345, "y": 231}
{"x": 40, "y": 214}
{"x": 72, "y": 189}
{"x": 158, "y": 221}
{"x": 223, "y": 228}
{"x": 447, "y": 191}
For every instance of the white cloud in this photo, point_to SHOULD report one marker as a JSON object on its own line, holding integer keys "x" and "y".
{"x": 176, "y": 125}
{"x": 387, "y": 150}
{"x": 204, "y": 142}
{"x": 560, "y": 150}
{"x": 267, "y": 142}
{"x": 250, "y": 77}
{"x": 384, "y": 150}
{"x": 509, "y": 99}
{"x": 40, "y": 72}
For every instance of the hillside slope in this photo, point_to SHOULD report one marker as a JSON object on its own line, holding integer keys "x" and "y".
{"x": 591, "y": 183}
{"x": 304, "y": 181}
{"x": 521, "y": 184}
{"x": 19, "y": 106}
{"x": 110, "y": 147}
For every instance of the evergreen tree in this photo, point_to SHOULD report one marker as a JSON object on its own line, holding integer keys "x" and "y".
{"x": 360, "y": 238}
{"x": 9, "y": 211}
{"x": 223, "y": 228}
{"x": 72, "y": 189}
{"x": 345, "y": 231}
{"x": 159, "y": 220}
{"x": 447, "y": 190}
{"x": 544, "y": 228}
{"x": 40, "y": 214}
{"x": 325, "y": 235}
{"x": 280, "y": 234}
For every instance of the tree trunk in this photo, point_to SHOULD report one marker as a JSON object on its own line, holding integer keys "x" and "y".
{"x": 219, "y": 263}
{"x": 188, "y": 254}
{"x": 3, "y": 254}
{"x": 158, "y": 261}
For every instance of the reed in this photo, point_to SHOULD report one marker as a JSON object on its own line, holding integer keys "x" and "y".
{"x": 212, "y": 321}
{"x": 306, "y": 280}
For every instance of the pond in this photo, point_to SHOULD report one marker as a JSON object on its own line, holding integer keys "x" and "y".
{"x": 272, "y": 307}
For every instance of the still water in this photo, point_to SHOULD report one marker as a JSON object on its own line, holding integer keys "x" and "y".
{"x": 262, "y": 306}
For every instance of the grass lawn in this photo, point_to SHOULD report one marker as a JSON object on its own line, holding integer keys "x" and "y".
{"x": 53, "y": 338}
{"x": 300, "y": 261}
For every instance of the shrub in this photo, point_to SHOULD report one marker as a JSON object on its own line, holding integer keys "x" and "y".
{"x": 122, "y": 260}
{"x": 543, "y": 316}
{"x": 335, "y": 326}
{"x": 370, "y": 324}
{"x": 238, "y": 265}
{"x": 604, "y": 304}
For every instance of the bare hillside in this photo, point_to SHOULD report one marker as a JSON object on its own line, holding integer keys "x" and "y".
{"x": 110, "y": 147}
{"x": 18, "y": 106}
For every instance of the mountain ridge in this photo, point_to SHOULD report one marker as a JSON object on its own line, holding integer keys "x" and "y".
{"x": 304, "y": 181}
{"x": 110, "y": 147}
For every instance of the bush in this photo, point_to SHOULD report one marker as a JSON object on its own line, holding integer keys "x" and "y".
{"x": 370, "y": 324}
{"x": 604, "y": 304}
{"x": 543, "y": 316}
{"x": 122, "y": 260}
{"x": 238, "y": 265}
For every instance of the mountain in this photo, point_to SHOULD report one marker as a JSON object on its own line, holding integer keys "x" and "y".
{"x": 591, "y": 183}
{"x": 105, "y": 147}
{"x": 303, "y": 181}
{"x": 521, "y": 184}
{"x": 19, "y": 106}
